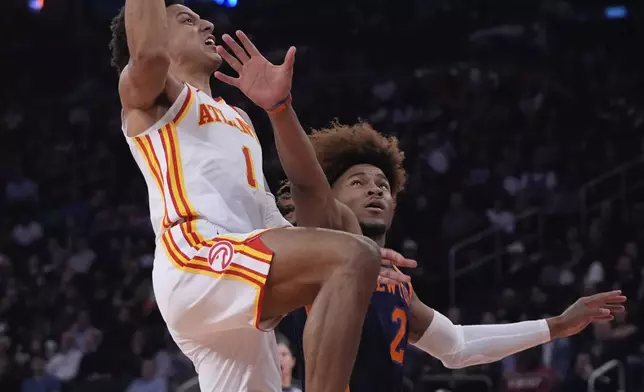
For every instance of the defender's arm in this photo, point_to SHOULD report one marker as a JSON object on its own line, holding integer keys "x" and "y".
{"x": 144, "y": 78}
{"x": 461, "y": 346}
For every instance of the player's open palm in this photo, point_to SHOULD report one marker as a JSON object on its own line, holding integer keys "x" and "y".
{"x": 598, "y": 307}
{"x": 262, "y": 82}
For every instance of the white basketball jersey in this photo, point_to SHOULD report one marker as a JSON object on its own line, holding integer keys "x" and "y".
{"x": 202, "y": 160}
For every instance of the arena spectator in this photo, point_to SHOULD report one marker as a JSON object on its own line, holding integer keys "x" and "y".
{"x": 64, "y": 364}
{"x": 27, "y": 232}
{"x": 83, "y": 257}
{"x": 82, "y": 329}
{"x": 10, "y": 379}
{"x": 287, "y": 364}
{"x": 557, "y": 355}
{"x": 21, "y": 188}
{"x": 147, "y": 382}
{"x": 97, "y": 363}
{"x": 39, "y": 380}
{"x": 501, "y": 217}
{"x": 577, "y": 381}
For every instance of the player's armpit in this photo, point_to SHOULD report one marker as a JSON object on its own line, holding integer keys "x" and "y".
{"x": 139, "y": 112}
{"x": 141, "y": 92}
{"x": 421, "y": 317}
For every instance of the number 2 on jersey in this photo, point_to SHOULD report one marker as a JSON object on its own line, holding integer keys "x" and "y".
{"x": 250, "y": 169}
{"x": 399, "y": 317}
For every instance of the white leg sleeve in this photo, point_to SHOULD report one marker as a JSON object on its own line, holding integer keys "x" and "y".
{"x": 460, "y": 346}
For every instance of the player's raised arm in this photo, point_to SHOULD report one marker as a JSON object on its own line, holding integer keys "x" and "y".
{"x": 144, "y": 77}
{"x": 459, "y": 346}
{"x": 269, "y": 87}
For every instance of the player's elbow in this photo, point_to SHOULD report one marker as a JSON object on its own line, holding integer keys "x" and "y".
{"x": 460, "y": 360}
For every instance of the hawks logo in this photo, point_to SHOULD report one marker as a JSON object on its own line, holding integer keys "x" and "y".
{"x": 221, "y": 255}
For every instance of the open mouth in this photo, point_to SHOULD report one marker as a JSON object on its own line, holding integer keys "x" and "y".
{"x": 375, "y": 205}
{"x": 210, "y": 41}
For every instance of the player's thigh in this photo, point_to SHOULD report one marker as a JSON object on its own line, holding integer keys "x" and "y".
{"x": 304, "y": 258}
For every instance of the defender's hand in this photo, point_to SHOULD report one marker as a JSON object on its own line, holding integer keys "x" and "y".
{"x": 389, "y": 275}
{"x": 584, "y": 311}
{"x": 261, "y": 81}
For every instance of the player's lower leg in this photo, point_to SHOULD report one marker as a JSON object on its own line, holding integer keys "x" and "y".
{"x": 335, "y": 272}
{"x": 334, "y": 324}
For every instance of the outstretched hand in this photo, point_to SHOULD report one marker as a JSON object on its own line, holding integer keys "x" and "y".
{"x": 261, "y": 81}
{"x": 391, "y": 258}
{"x": 598, "y": 307}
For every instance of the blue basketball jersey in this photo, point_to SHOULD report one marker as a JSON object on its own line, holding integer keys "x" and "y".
{"x": 379, "y": 364}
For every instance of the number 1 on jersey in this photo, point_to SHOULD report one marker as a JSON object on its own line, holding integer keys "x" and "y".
{"x": 250, "y": 169}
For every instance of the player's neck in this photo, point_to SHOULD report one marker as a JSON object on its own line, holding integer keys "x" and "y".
{"x": 375, "y": 231}
{"x": 199, "y": 80}
{"x": 379, "y": 239}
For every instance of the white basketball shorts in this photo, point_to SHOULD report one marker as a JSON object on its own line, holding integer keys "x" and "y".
{"x": 209, "y": 289}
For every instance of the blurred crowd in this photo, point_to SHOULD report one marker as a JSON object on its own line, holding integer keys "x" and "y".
{"x": 518, "y": 119}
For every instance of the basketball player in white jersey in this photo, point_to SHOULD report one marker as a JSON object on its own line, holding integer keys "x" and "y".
{"x": 220, "y": 278}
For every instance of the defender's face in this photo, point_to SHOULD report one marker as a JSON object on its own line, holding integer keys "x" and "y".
{"x": 191, "y": 39}
{"x": 366, "y": 191}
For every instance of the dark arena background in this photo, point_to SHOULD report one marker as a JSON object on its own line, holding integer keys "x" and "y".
{"x": 523, "y": 128}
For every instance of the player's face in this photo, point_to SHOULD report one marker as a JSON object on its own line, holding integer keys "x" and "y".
{"x": 287, "y": 361}
{"x": 366, "y": 191}
{"x": 192, "y": 43}
{"x": 287, "y": 207}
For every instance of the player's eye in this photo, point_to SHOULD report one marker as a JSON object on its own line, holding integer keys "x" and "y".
{"x": 189, "y": 21}
{"x": 384, "y": 186}
{"x": 355, "y": 182}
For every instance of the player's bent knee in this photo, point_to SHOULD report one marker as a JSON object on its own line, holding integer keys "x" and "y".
{"x": 306, "y": 258}
{"x": 363, "y": 256}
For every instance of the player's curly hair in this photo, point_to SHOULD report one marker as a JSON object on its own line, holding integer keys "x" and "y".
{"x": 118, "y": 43}
{"x": 340, "y": 147}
